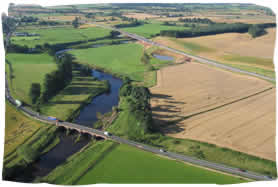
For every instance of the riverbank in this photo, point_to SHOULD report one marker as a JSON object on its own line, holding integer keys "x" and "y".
{"x": 66, "y": 105}
{"x": 25, "y": 141}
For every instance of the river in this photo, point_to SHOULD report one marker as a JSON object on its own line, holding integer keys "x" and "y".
{"x": 67, "y": 145}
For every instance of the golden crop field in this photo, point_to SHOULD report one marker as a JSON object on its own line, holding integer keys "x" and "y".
{"x": 229, "y": 48}
{"x": 202, "y": 103}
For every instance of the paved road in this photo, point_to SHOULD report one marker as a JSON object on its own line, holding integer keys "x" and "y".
{"x": 199, "y": 59}
{"x": 216, "y": 166}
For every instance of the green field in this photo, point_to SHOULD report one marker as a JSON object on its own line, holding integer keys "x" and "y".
{"x": 125, "y": 164}
{"x": 59, "y": 35}
{"x": 151, "y": 29}
{"x": 124, "y": 59}
{"x": 28, "y": 69}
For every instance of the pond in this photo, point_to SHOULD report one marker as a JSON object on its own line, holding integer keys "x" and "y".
{"x": 163, "y": 57}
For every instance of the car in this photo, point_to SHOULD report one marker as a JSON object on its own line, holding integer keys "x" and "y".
{"x": 107, "y": 133}
{"x": 162, "y": 150}
{"x": 242, "y": 170}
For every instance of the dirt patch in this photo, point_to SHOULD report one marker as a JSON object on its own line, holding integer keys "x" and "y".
{"x": 194, "y": 101}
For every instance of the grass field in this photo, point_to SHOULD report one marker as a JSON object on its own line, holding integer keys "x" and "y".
{"x": 151, "y": 29}
{"x": 28, "y": 69}
{"x": 67, "y": 103}
{"x": 124, "y": 59}
{"x": 59, "y": 35}
{"x": 125, "y": 164}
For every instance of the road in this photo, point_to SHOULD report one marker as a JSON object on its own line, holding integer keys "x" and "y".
{"x": 195, "y": 161}
{"x": 197, "y": 58}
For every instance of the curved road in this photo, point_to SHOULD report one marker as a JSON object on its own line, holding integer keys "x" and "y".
{"x": 199, "y": 59}
{"x": 195, "y": 161}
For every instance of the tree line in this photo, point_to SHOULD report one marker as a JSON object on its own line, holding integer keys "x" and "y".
{"x": 218, "y": 28}
{"x": 137, "y": 99}
{"x": 196, "y": 20}
{"x": 53, "y": 82}
{"x": 132, "y": 24}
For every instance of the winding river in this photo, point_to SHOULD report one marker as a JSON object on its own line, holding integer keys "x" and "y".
{"x": 67, "y": 145}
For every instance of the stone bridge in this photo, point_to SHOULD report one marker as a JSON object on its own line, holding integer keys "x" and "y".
{"x": 82, "y": 129}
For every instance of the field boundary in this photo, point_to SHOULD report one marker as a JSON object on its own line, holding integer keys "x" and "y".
{"x": 221, "y": 106}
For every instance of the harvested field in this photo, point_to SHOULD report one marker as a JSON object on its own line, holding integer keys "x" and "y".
{"x": 216, "y": 106}
{"x": 238, "y": 50}
{"x": 140, "y": 15}
{"x": 233, "y": 43}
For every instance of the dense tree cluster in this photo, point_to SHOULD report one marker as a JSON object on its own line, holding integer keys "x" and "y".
{"x": 196, "y": 20}
{"x": 210, "y": 30}
{"x": 114, "y": 34}
{"x": 132, "y": 24}
{"x": 57, "y": 80}
{"x": 28, "y": 19}
{"x": 8, "y": 23}
{"x": 138, "y": 104}
{"x": 35, "y": 92}
{"x": 50, "y": 23}
{"x": 75, "y": 22}
{"x": 256, "y": 31}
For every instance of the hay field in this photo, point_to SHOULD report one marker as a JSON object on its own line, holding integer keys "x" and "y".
{"x": 229, "y": 43}
{"x": 141, "y": 15}
{"x": 200, "y": 90}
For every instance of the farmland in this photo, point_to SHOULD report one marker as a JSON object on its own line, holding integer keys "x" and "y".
{"x": 144, "y": 167}
{"x": 237, "y": 50}
{"x": 175, "y": 106}
{"x": 57, "y": 35}
{"x": 28, "y": 69}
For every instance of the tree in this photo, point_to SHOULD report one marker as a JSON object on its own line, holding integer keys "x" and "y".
{"x": 256, "y": 31}
{"x": 35, "y": 92}
{"x": 75, "y": 22}
{"x": 114, "y": 34}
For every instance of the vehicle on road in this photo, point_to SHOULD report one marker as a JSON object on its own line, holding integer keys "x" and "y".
{"x": 52, "y": 118}
{"x": 162, "y": 150}
{"x": 107, "y": 133}
{"x": 242, "y": 170}
{"x": 18, "y": 103}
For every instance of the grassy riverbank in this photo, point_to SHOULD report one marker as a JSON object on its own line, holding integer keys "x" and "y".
{"x": 67, "y": 104}
{"x": 78, "y": 164}
{"x": 25, "y": 141}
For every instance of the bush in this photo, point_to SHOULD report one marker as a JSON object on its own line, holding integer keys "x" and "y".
{"x": 256, "y": 31}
